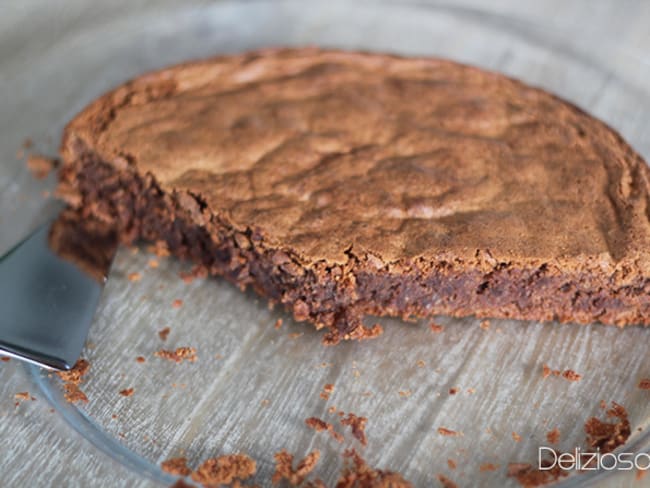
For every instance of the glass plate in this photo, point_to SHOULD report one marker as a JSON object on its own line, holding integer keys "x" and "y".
{"x": 254, "y": 385}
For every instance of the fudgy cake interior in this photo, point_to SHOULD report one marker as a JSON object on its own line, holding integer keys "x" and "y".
{"x": 350, "y": 184}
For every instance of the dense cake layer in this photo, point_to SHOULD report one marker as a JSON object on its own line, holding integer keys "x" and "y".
{"x": 346, "y": 184}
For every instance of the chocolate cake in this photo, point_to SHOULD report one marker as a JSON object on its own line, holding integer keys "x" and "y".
{"x": 346, "y": 184}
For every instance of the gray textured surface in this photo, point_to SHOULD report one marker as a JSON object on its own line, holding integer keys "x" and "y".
{"x": 55, "y": 58}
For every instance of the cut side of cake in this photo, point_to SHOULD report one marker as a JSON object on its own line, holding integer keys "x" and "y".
{"x": 345, "y": 184}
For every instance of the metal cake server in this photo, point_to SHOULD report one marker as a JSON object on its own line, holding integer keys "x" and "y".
{"x": 50, "y": 285}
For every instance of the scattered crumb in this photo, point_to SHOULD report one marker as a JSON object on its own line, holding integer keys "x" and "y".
{"x": 358, "y": 427}
{"x": 176, "y": 466}
{"x": 644, "y": 384}
{"x": 180, "y": 354}
{"x": 328, "y": 389}
{"x": 515, "y": 437}
{"x": 160, "y": 249}
{"x": 454, "y": 390}
{"x": 278, "y": 324}
{"x": 332, "y": 409}
{"x": 320, "y": 425}
{"x": 40, "y": 166}
{"x": 446, "y": 482}
{"x": 529, "y": 476}
{"x": 363, "y": 333}
{"x": 284, "y": 467}
{"x": 164, "y": 333}
{"x": 134, "y": 277}
{"x": 640, "y": 474}
{"x": 448, "y": 433}
{"x": 178, "y": 303}
{"x": 23, "y": 395}
{"x": 421, "y": 363}
{"x": 140, "y": 359}
{"x": 114, "y": 416}
{"x": 223, "y": 470}
{"x": 436, "y": 328}
{"x": 484, "y": 324}
{"x": 451, "y": 463}
{"x": 488, "y": 467}
{"x": 127, "y": 392}
{"x": 295, "y": 335}
{"x": 608, "y": 436}
{"x": 567, "y": 374}
{"x": 5, "y": 359}
{"x": 73, "y": 393}
{"x": 553, "y": 436}
{"x": 602, "y": 405}
{"x": 357, "y": 474}
{"x": 153, "y": 263}
{"x": 196, "y": 272}
{"x": 405, "y": 393}
{"x": 471, "y": 391}
{"x": 72, "y": 379}
{"x": 265, "y": 402}
{"x": 571, "y": 375}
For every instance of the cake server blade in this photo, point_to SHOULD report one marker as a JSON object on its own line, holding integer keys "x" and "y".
{"x": 50, "y": 285}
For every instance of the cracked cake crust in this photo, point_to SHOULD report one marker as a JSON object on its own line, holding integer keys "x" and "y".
{"x": 346, "y": 184}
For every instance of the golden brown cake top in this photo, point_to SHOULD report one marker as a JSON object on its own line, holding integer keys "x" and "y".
{"x": 325, "y": 152}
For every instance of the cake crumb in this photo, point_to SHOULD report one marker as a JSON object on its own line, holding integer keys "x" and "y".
{"x": 454, "y": 390}
{"x": 446, "y": 482}
{"x": 127, "y": 392}
{"x": 358, "y": 474}
{"x": 358, "y": 427}
{"x": 488, "y": 467}
{"x": 164, "y": 333}
{"x": 134, "y": 277}
{"x": 515, "y": 437}
{"x": 24, "y": 396}
{"x": 567, "y": 374}
{"x": 436, "y": 328}
{"x": 420, "y": 363}
{"x": 484, "y": 324}
{"x": 295, "y": 335}
{"x": 41, "y": 166}
{"x": 180, "y": 354}
{"x": 471, "y": 391}
{"x": 451, "y": 463}
{"x": 72, "y": 379}
{"x": 644, "y": 384}
{"x": 640, "y": 474}
{"x": 363, "y": 333}
{"x": 528, "y": 476}
{"x": 553, "y": 436}
{"x": 327, "y": 391}
{"x": 607, "y": 436}
{"x": 176, "y": 466}
{"x": 278, "y": 324}
{"x": 160, "y": 249}
{"x": 5, "y": 359}
{"x": 448, "y": 432}
{"x": 405, "y": 393}
{"x": 320, "y": 426}
{"x": 223, "y": 470}
{"x": 284, "y": 467}
{"x": 178, "y": 303}
{"x": 265, "y": 402}
{"x": 140, "y": 359}
{"x": 571, "y": 375}
{"x": 153, "y": 263}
